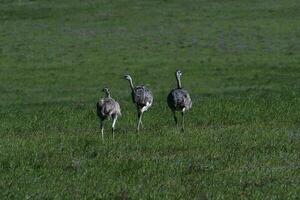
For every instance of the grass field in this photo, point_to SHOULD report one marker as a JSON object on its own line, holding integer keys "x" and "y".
{"x": 240, "y": 61}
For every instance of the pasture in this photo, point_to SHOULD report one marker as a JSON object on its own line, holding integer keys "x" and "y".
{"x": 240, "y": 61}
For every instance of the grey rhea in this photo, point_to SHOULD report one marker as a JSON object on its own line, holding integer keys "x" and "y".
{"x": 108, "y": 108}
{"x": 141, "y": 97}
{"x": 179, "y": 99}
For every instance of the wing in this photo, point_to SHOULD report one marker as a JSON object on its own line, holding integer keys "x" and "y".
{"x": 115, "y": 109}
{"x": 179, "y": 99}
{"x": 107, "y": 107}
{"x": 99, "y": 108}
{"x": 142, "y": 96}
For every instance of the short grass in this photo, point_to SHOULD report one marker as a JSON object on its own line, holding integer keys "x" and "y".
{"x": 240, "y": 62}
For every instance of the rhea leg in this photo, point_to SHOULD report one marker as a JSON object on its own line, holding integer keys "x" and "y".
{"x": 140, "y": 114}
{"x": 101, "y": 127}
{"x": 175, "y": 118}
{"x": 113, "y": 125}
{"x": 182, "y": 114}
{"x": 142, "y": 125}
{"x": 174, "y": 115}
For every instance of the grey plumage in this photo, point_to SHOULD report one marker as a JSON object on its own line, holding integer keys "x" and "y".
{"x": 108, "y": 108}
{"x": 179, "y": 99}
{"x": 141, "y": 97}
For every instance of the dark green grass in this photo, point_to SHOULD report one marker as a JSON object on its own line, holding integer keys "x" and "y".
{"x": 240, "y": 61}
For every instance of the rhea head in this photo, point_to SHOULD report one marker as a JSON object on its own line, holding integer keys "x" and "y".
{"x": 106, "y": 91}
{"x": 178, "y": 73}
{"x": 128, "y": 77}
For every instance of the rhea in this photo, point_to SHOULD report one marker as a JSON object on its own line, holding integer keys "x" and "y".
{"x": 141, "y": 97}
{"x": 108, "y": 108}
{"x": 179, "y": 100}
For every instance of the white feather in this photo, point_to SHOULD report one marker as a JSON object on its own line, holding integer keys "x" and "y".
{"x": 148, "y": 105}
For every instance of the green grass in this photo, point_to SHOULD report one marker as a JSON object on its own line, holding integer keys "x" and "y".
{"x": 240, "y": 62}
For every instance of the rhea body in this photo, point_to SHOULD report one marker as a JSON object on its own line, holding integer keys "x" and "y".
{"x": 141, "y": 97}
{"x": 179, "y": 100}
{"x": 108, "y": 108}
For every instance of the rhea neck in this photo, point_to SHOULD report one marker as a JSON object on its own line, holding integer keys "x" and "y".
{"x": 178, "y": 81}
{"x": 107, "y": 94}
{"x": 131, "y": 84}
